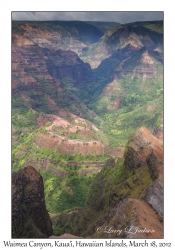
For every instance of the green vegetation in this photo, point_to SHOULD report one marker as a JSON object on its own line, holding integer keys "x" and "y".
{"x": 140, "y": 104}
{"x": 68, "y": 189}
{"x": 111, "y": 185}
{"x": 66, "y": 194}
{"x": 134, "y": 186}
{"x": 125, "y": 92}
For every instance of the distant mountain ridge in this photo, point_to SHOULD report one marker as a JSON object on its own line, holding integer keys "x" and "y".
{"x": 48, "y": 75}
{"x": 103, "y": 26}
{"x": 78, "y": 94}
{"x": 138, "y": 35}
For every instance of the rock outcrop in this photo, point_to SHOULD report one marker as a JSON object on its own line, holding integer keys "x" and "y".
{"x": 144, "y": 144}
{"x": 126, "y": 198}
{"x": 146, "y": 149}
{"x": 30, "y": 218}
{"x": 130, "y": 218}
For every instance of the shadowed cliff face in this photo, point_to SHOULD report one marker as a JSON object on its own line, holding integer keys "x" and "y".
{"x": 29, "y": 216}
{"x": 51, "y": 70}
{"x": 126, "y": 198}
{"x": 141, "y": 145}
{"x": 146, "y": 149}
{"x": 47, "y": 80}
{"x": 60, "y": 78}
{"x": 137, "y": 202}
{"x": 120, "y": 37}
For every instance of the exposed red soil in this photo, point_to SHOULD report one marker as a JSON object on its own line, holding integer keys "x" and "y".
{"x": 147, "y": 218}
{"x": 65, "y": 114}
{"x": 66, "y": 146}
{"x": 135, "y": 218}
{"x": 76, "y": 128}
{"x": 72, "y": 146}
{"x": 48, "y": 141}
{"x": 22, "y": 63}
{"x": 115, "y": 104}
{"x": 48, "y": 39}
{"x": 44, "y": 119}
{"x": 84, "y": 148}
{"x": 63, "y": 126}
{"x": 60, "y": 122}
{"x": 144, "y": 143}
{"x": 37, "y": 31}
{"x": 21, "y": 41}
{"x": 61, "y": 119}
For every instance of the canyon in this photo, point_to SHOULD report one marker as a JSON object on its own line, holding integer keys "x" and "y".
{"x": 128, "y": 193}
{"x": 87, "y": 121}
